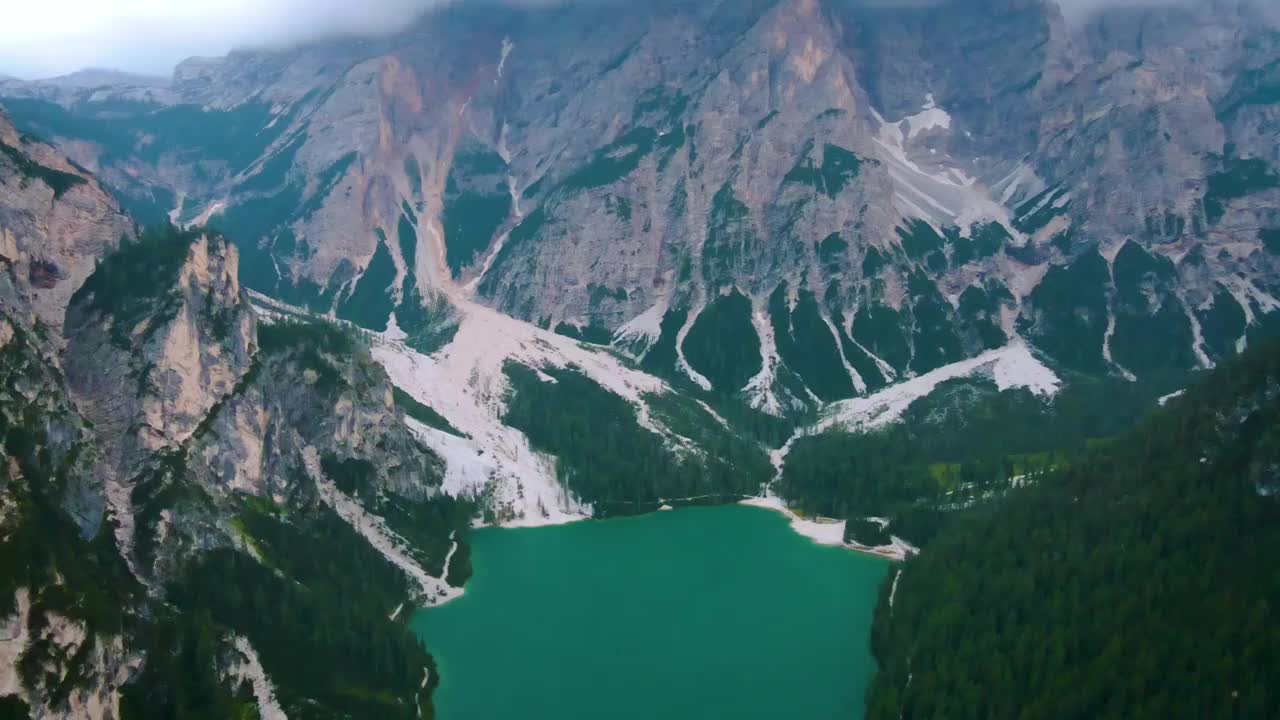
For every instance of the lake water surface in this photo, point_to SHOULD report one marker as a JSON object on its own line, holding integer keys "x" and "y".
{"x": 697, "y": 613}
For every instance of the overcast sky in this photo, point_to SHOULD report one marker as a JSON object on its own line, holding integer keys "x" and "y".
{"x": 44, "y": 38}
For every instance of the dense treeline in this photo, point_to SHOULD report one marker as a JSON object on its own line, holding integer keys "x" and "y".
{"x": 1138, "y": 580}
{"x": 962, "y": 443}
{"x": 315, "y": 609}
{"x": 430, "y": 526}
{"x": 607, "y": 458}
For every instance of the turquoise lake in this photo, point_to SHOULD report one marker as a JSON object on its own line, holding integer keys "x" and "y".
{"x": 696, "y": 613}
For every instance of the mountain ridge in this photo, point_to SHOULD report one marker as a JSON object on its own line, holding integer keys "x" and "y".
{"x": 826, "y": 146}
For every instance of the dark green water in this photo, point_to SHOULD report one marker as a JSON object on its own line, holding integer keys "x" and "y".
{"x": 698, "y": 613}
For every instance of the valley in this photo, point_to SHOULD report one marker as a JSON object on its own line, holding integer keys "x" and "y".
{"x": 680, "y": 358}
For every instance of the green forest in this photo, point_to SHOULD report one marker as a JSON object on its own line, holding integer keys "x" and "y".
{"x": 1137, "y": 579}
{"x": 961, "y": 444}
{"x": 606, "y": 457}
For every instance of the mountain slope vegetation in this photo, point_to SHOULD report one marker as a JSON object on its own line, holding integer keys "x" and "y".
{"x": 1136, "y": 580}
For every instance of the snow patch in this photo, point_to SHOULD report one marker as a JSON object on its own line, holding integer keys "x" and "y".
{"x": 638, "y": 335}
{"x": 1020, "y": 183}
{"x": 759, "y": 389}
{"x": 176, "y": 213}
{"x": 1012, "y": 366}
{"x": 466, "y": 383}
{"x": 1249, "y": 297}
{"x": 858, "y": 383}
{"x": 1171, "y": 396}
{"x": 943, "y": 193}
{"x": 393, "y": 333}
{"x": 249, "y": 667}
{"x": 1197, "y": 332}
{"x": 213, "y": 209}
{"x": 885, "y": 368}
{"x": 1106, "y": 345}
{"x": 931, "y": 117}
{"x": 681, "y": 362}
{"x": 507, "y": 47}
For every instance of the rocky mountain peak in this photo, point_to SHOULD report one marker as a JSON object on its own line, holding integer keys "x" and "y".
{"x": 159, "y": 335}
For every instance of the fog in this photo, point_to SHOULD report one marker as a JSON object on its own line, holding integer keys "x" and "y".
{"x": 46, "y": 38}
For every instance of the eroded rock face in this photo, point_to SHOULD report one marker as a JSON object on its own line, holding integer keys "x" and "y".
{"x": 141, "y": 420}
{"x": 917, "y": 170}
{"x": 55, "y": 221}
{"x": 155, "y": 377}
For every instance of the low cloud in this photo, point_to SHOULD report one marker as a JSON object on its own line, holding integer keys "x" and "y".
{"x": 43, "y": 39}
{"x": 1079, "y": 11}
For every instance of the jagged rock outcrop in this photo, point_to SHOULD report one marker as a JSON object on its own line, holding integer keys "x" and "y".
{"x": 148, "y": 364}
{"x": 191, "y": 457}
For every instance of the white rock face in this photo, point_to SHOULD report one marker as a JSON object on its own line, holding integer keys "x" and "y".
{"x": 105, "y": 667}
{"x": 660, "y": 157}
{"x": 466, "y": 384}
{"x": 187, "y": 364}
{"x": 192, "y": 369}
{"x": 1013, "y": 366}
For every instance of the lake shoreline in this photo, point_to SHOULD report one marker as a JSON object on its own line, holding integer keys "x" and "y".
{"x": 823, "y": 531}
{"x": 830, "y": 532}
{"x": 664, "y": 598}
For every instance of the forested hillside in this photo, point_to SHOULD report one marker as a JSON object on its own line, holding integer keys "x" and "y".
{"x": 963, "y": 444}
{"x": 1138, "y": 580}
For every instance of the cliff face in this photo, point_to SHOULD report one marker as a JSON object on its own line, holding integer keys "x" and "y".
{"x": 173, "y": 454}
{"x": 888, "y": 187}
{"x": 147, "y": 364}
{"x": 55, "y": 221}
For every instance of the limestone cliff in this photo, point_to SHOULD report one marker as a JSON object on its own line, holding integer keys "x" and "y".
{"x": 190, "y": 454}
{"x": 888, "y": 186}
{"x": 55, "y": 221}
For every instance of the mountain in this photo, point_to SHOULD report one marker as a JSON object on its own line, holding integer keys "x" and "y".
{"x": 174, "y": 465}
{"x": 1135, "y": 581}
{"x": 56, "y": 220}
{"x": 197, "y": 481}
{"x": 845, "y": 193}
{"x": 900, "y": 266}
